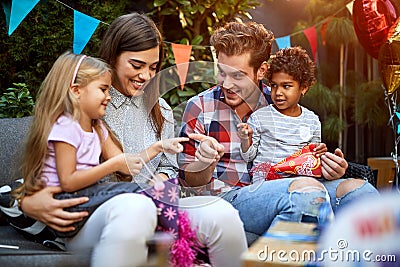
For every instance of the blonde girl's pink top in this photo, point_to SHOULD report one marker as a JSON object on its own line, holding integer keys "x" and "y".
{"x": 87, "y": 144}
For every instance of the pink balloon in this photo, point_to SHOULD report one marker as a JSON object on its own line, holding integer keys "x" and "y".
{"x": 372, "y": 20}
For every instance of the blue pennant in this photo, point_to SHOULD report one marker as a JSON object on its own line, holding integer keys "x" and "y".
{"x": 19, "y": 10}
{"x": 283, "y": 42}
{"x": 84, "y": 27}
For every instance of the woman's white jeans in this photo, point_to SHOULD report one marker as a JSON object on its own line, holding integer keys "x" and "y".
{"x": 117, "y": 231}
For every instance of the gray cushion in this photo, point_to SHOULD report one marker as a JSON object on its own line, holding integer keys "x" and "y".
{"x": 12, "y": 135}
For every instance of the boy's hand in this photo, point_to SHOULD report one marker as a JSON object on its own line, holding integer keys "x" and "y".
{"x": 173, "y": 145}
{"x": 320, "y": 149}
{"x": 244, "y": 131}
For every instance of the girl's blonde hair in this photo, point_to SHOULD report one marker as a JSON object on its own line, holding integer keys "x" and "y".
{"x": 55, "y": 98}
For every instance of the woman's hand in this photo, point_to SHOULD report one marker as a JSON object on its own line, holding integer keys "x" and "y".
{"x": 173, "y": 145}
{"x": 43, "y": 207}
{"x": 333, "y": 165}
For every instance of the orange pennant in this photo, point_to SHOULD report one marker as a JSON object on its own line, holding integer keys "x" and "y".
{"x": 182, "y": 57}
{"x": 311, "y": 35}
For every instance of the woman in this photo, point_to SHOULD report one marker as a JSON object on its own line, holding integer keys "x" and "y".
{"x": 133, "y": 48}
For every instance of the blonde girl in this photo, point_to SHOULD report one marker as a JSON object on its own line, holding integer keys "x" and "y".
{"x": 67, "y": 137}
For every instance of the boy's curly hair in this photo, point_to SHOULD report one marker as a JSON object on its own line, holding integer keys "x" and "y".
{"x": 295, "y": 62}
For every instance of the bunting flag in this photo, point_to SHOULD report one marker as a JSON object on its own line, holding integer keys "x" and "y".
{"x": 283, "y": 42}
{"x": 7, "y": 11}
{"x": 350, "y": 7}
{"x": 19, "y": 10}
{"x": 311, "y": 34}
{"x": 182, "y": 55}
{"x": 84, "y": 27}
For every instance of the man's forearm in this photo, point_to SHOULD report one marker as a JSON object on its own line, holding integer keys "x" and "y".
{"x": 199, "y": 173}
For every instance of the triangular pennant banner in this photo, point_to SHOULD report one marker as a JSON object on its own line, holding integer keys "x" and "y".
{"x": 311, "y": 35}
{"x": 19, "y": 10}
{"x": 283, "y": 42}
{"x": 182, "y": 56}
{"x": 350, "y": 7}
{"x": 84, "y": 27}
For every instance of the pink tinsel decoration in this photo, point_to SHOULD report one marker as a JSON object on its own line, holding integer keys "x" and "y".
{"x": 185, "y": 248}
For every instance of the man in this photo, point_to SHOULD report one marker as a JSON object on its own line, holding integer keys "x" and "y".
{"x": 212, "y": 160}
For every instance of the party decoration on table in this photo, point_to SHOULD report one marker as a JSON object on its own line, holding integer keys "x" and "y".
{"x": 301, "y": 163}
{"x": 372, "y": 20}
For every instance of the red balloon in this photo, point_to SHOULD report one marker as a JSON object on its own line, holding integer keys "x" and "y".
{"x": 372, "y": 20}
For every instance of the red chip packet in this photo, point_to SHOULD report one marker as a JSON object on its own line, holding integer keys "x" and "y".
{"x": 301, "y": 163}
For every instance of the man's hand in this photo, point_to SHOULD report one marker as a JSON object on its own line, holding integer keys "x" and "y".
{"x": 209, "y": 150}
{"x": 43, "y": 207}
{"x": 333, "y": 165}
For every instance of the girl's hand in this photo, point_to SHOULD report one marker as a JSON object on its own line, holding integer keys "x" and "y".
{"x": 320, "y": 149}
{"x": 244, "y": 131}
{"x": 173, "y": 145}
{"x": 130, "y": 163}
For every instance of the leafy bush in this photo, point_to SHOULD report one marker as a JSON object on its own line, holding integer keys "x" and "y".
{"x": 16, "y": 102}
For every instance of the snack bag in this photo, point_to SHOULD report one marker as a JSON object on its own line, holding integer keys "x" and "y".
{"x": 301, "y": 163}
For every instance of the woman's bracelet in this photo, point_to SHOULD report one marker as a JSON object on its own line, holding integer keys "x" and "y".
{"x": 19, "y": 203}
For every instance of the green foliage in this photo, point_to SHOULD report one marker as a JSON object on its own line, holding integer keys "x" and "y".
{"x": 16, "y": 102}
{"x": 341, "y": 31}
{"x": 325, "y": 107}
{"x": 370, "y": 108}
